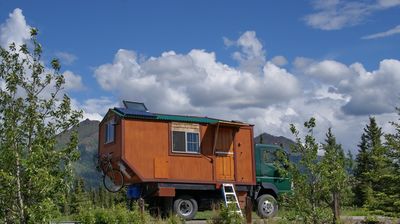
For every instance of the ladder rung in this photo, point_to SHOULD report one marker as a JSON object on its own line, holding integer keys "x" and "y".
{"x": 231, "y": 197}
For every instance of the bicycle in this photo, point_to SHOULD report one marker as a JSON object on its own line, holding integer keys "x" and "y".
{"x": 113, "y": 179}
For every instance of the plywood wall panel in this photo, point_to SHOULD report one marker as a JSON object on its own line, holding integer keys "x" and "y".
{"x": 161, "y": 167}
{"x": 115, "y": 146}
{"x": 191, "y": 168}
{"x": 244, "y": 155}
{"x": 145, "y": 141}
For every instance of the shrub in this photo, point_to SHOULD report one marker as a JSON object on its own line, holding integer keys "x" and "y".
{"x": 227, "y": 215}
{"x": 370, "y": 220}
{"x": 118, "y": 215}
{"x": 173, "y": 219}
{"x": 86, "y": 216}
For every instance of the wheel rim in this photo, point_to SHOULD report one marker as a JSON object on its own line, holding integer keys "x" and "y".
{"x": 267, "y": 207}
{"x": 185, "y": 207}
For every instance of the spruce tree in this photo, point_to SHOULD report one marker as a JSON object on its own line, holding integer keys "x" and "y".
{"x": 390, "y": 198}
{"x": 362, "y": 188}
{"x": 393, "y": 143}
{"x": 79, "y": 197}
{"x": 373, "y": 168}
{"x": 348, "y": 195}
{"x": 350, "y": 163}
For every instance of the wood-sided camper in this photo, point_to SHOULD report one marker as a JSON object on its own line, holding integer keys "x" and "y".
{"x": 180, "y": 162}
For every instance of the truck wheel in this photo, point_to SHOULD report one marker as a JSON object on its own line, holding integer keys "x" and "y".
{"x": 267, "y": 206}
{"x": 185, "y": 206}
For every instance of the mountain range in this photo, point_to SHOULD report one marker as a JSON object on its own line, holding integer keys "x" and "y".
{"x": 266, "y": 138}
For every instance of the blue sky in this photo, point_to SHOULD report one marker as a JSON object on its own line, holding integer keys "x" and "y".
{"x": 270, "y": 63}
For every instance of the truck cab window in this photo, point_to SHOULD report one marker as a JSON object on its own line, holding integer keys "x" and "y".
{"x": 269, "y": 156}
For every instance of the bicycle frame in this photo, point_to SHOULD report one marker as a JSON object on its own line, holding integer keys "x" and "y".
{"x": 110, "y": 174}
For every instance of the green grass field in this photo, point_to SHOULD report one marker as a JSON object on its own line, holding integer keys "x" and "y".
{"x": 345, "y": 212}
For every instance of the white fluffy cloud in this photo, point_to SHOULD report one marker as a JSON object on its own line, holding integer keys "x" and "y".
{"x": 364, "y": 92}
{"x": 72, "y": 81}
{"x": 187, "y": 82}
{"x": 94, "y": 108}
{"x": 327, "y": 70}
{"x": 66, "y": 58}
{"x": 251, "y": 56}
{"x": 14, "y": 29}
{"x": 337, "y": 14}
{"x": 279, "y": 60}
{"x": 374, "y": 92}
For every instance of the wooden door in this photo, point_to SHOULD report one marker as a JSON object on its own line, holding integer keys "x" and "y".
{"x": 224, "y": 155}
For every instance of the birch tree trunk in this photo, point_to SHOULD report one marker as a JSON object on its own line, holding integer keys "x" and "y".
{"x": 19, "y": 190}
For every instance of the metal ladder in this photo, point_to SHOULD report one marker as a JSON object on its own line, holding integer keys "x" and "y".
{"x": 230, "y": 197}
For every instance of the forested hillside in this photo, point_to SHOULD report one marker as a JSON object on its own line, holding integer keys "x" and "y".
{"x": 87, "y": 144}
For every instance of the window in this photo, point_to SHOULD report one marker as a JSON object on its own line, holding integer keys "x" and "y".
{"x": 185, "y": 142}
{"x": 185, "y": 138}
{"x": 269, "y": 156}
{"x": 110, "y": 131}
{"x": 178, "y": 141}
{"x": 192, "y": 142}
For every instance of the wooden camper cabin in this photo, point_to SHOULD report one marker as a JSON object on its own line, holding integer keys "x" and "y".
{"x": 161, "y": 148}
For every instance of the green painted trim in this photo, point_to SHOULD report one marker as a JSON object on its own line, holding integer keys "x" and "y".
{"x": 167, "y": 117}
{"x": 275, "y": 178}
{"x": 118, "y": 113}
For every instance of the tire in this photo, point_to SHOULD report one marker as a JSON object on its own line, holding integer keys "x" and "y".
{"x": 267, "y": 206}
{"x": 185, "y": 207}
{"x": 113, "y": 180}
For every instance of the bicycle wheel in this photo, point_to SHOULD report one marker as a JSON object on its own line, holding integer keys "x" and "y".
{"x": 113, "y": 180}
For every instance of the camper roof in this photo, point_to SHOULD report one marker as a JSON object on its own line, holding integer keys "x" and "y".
{"x": 136, "y": 114}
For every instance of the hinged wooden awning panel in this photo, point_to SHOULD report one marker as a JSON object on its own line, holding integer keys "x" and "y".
{"x": 231, "y": 124}
{"x": 215, "y": 138}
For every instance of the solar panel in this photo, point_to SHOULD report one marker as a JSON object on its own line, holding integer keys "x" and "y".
{"x": 135, "y": 113}
{"x": 135, "y": 106}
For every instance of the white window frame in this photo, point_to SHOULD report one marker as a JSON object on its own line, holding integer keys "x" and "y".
{"x": 186, "y": 143}
{"x": 108, "y": 138}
